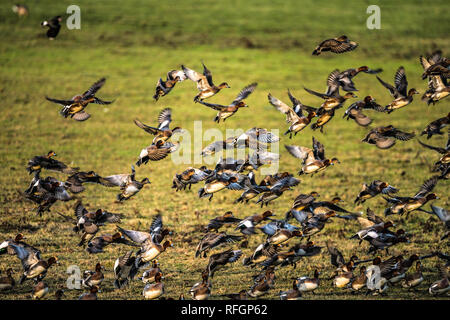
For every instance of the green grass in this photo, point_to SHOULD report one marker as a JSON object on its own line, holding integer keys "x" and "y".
{"x": 270, "y": 42}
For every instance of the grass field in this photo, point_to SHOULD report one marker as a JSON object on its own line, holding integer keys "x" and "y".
{"x": 133, "y": 43}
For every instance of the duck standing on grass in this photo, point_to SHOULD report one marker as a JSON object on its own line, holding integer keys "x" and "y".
{"x": 154, "y": 290}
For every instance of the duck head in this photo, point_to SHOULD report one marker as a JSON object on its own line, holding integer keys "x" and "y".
{"x": 145, "y": 181}
{"x": 363, "y": 68}
{"x": 431, "y": 196}
{"x": 51, "y": 153}
{"x": 412, "y": 91}
{"x": 349, "y": 95}
{"x": 52, "y": 261}
{"x": 224, "y": 85}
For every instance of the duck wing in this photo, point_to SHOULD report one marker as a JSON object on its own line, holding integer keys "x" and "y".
{"x": 400, "y": 81}
{"x": 318, "y": 150}
{"x": 333, "y": 83}
{"x": 146, "y": 128}
{"x": 61, "y": 102}
{"x": 164, "y": 119}
{"x": 321, "y": 95}
{"x": 198, "y": 78}
{"x": 291, "y": 116}
{"x": 214, "y": 106}
{"x": 207, "y": 73}
{"x": 94, "y": 88}
{"x": 393, "y": 91}
{"x": 244, "y": 93}
{"x": 440, "y": 150}
{"x": 426, "y": 187}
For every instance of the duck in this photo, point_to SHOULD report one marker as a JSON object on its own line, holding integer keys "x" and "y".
{"x": 241, "y": 295}
{"x": 149, "y": 276}
{"x": 162, "y": 132}
{"x": 252, "y": 189}
{"x": 324, "y": 116}
{"x": 402, "y": 97}
{"x": 46, "y": 192}
{"x": 336, "y": 45}
{"x": 306, "y": 284}
{"x": 5, "y": 247}
{"x": 282, "y": 182}
{"x": 40, "y": 290}
{"x": 442, "y": 285}
{"x": 247, "y": 225}
{"x": 403, "y": 266}
{"x": 343, "y": 279}
{"x": 337, "y": 259}
{"x": 74, "y": 183}
{"x": 313, "y": 160}
{"x": 376, "y": 187}
{"x": 91, "y": 295}
{"x": 385, "y": 240}
{"x": 220, "y": 259}
{"x": 53, "y": 25}
{"x": 156, "y": 234}
{"x": 385, "y": 137}
{"x": 34, "y": 267}
{"x": 359, "y": 281}
{"x": 189, "y": 177}
{"x": 132, "y": 189}
{"x": 355, "y": 111}
{"x": 93, "y": 278}
{"x": 7, "y": 282}
{"x": 20, "y": 9}
{"x": 333, "y": 100}
{"x": 300, "y": 204}
{"x": 293, "y": 294}
{"x": 435, "y": 65}
{"x": 163, "y": 88}
{"x": 283, "y": 235}
{"x": 75, "y": 107}
{"x": 412, "y": 280}
{"x": 401, "y": 205}
{"x": 201, "y": 290}
{"x": 98, "y": 216}
{"x": 273, "y": 227}
{"x": 125, "y": 270}
{"x": 262, "y": 252}
{"x": 436, "y": 126}
{"x": 294, "y": 115}
{"x": 300, "y": 251}
{"x": 372, "y": 231}
{"x": 218, "y": 183}
{"x": 344, "y": 78}
{"x": 154, "y": 290}
{"x": 204, "y": 83}
{"x": 37, "y": 163}
{"x": 213, "y": 240}
{"x": 97, "y": 244}
{"x": 436, "y": 69}
{"x": 216, "y": 223}
{"x": 151, "y": 250}
{"x": 224, "y": 112}
{"x": 156, "y": 152}
{"x": 263, "y": 286}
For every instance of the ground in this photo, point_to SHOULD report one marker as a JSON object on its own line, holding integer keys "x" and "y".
{"x": 133, "y": 44}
